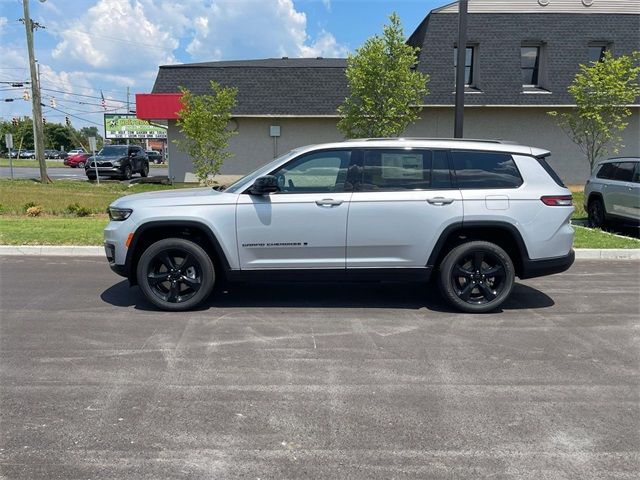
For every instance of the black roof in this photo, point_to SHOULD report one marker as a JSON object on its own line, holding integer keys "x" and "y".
{"x": 317, "y": 86}
{"x": 273, "y": 86}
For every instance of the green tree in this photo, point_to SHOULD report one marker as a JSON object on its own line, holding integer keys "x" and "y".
{"x": 384, "y": 90}
{"x": 602, "y": 92}
{"x": 56, "y": 136}
{"x": 203, "y": 121}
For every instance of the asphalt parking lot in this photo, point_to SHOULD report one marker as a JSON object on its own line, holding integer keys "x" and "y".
{"x": 317, "y": 381}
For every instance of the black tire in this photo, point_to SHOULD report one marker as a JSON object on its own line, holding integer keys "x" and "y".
{"x": 127, "y": 172}
{"x": 80, "y": 165}
{"x": 167, "y": 282}
{"x": 91, "y": 178}
{"x": 476, "y": 277}
{"x": 145, "y": 170}
{"x": 596, "y": 213}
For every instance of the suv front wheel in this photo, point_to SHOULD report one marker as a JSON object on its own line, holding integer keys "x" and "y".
{"x": 476, "y": 276}
{"x": 175, "y": 274}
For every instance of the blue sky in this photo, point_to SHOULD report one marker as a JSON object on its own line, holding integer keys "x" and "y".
{"x": 90, "y": 46}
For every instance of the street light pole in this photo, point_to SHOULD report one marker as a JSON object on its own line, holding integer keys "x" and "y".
{"x": 38, "y": 131}
{"x": 460, "y": 70}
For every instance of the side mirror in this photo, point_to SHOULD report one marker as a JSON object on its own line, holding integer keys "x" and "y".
{"x": 133, "y": 154}
{"x": 264, "y": 185}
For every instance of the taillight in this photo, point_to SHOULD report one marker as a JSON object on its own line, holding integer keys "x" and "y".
{"x": 557, "y": 200}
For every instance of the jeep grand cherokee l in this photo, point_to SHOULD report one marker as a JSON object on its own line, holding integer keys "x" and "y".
{"x": 474, "y": 214}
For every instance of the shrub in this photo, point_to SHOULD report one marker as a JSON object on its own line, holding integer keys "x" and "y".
{"x": 34, "y": 211}
{"x": 28, "y": 205}
{"x": 78, "y": 210}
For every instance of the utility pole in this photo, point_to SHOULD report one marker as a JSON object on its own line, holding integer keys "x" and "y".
{"x": 460, "y": 70}
{"x": 38, "y": 131}
{"x": 127, "y": 114}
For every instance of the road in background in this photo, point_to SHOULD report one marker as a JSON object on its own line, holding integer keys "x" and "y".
{"x": 65, "y": 173}
{"x": 317, "y": 381}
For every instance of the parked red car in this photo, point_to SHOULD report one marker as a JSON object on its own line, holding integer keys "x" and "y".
{"x": 77, "y": 161}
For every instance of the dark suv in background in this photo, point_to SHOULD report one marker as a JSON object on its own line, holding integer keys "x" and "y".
{"x": 118, "y": 161}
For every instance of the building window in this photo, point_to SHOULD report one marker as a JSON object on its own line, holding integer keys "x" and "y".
{"x": 596, "y": 52}
{"x": 469, "y": 60}
{"x": 530, "y": 65}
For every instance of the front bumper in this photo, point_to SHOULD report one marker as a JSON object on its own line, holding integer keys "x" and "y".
{"x": 105, "y": 171}
{"x": 547, "y": 266}
{"x": 110, "y": 252}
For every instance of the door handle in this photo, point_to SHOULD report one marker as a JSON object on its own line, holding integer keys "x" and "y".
{"x": 328, "y": 202}
{"x": 440, "y": 201}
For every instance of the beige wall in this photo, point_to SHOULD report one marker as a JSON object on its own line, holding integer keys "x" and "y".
{"x": 527, "y": 126}
{"x": 253, "y": 146}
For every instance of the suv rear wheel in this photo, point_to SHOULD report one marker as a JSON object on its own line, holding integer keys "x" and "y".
{"x": 175, "y": 274}
{"x": 476, "y": 276}
{"x": 596, "y": 213}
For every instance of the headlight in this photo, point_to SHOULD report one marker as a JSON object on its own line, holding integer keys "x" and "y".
{"x": 116, "y": 163}
{"x": 119, "y": 214}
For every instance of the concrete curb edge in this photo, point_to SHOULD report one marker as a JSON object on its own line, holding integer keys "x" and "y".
{"x": 98, "y": 251}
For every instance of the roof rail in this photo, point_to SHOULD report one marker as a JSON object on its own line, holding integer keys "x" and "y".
{"x": 508, "y": 142}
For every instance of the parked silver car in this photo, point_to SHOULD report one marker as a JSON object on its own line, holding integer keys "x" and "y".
{"x": 613, "y": 192}
{"x": 475, "y": 214}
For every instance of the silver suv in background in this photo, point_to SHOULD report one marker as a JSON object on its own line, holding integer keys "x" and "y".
{"x": 473, "y": 214}
{"x": 613, "y": 192}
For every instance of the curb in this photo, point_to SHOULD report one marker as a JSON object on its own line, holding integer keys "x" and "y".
{"x": 98, "y": 251}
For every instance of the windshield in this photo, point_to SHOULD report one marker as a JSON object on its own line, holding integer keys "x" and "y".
{"x": 247, "y": 180}
{"x": 113, "y": 150}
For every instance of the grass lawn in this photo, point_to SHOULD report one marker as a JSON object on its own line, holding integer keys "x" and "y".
{"x": 57, "y": 227}
{"x": 594, "y": 238}
{"x": 22, "y": 230}
{"x": 55, "y": 198}
{"x": 4, "y": 162}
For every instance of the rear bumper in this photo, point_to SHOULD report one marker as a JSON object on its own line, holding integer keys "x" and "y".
{"x": 547, "y": 266}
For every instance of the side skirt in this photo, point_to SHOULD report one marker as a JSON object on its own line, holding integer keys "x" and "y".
{"x": 330, "y": 275}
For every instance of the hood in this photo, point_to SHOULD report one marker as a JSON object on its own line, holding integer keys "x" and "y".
{"x": 176, "y": 197}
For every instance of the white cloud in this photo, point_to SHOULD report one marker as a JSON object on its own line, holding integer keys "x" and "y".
{"x": 115, "y": 35}
{"x": 255, "y": 29}
{"x": 3, "y": 24}
{"x": 327, "y": 4}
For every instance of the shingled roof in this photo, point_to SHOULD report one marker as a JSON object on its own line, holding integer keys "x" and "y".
{"x": 274, "y": 86}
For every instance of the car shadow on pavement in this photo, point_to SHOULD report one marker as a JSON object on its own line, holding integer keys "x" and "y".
{"x": 410, "y": 296}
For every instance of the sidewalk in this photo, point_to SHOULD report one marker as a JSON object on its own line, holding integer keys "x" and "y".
{"x": 98, "y": 251}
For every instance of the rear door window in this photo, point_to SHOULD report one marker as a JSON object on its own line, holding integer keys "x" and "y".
{"x": 393, "y": 170}
{"x": 483, "y": 170}
{"x": 607, "y": 171}
{"x": 624, "y": 172}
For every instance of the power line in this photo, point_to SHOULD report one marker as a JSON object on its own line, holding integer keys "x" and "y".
{"x": 74, "y": 116}
{"x": 81, "y": 95}
{"x": 55, "y": 81}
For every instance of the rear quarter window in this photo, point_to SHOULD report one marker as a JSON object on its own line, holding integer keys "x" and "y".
{"x": 484, "y": 170}
{"x": 552, "y": 173}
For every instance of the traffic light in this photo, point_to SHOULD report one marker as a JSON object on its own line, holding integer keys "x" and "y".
{"x": 67, "y": 121}
{"x": 14, "y": 121}
{"x": 44, "y": 121}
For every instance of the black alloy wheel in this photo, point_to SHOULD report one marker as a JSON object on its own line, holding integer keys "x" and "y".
{"x": 175, "y": 274}
{"x": 596, "y": 213}
{"x": 477, "y": 276}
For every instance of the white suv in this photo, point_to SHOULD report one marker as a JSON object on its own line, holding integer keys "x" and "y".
{"x": 475, "y": 214}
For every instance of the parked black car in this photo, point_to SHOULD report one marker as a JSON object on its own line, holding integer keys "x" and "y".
{"x": 155, "y": 157}
{"x": 118, "y": 161}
